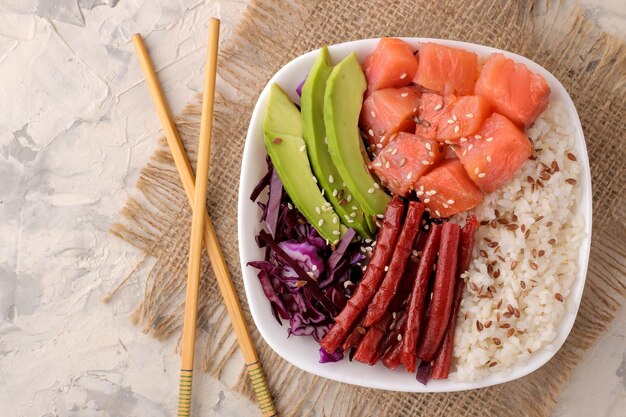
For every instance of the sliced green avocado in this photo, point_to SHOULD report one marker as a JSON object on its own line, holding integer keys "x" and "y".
{"x": 312, "y": 105}
{"x": 342, "y": 107}
{"x": 282, "y": 130}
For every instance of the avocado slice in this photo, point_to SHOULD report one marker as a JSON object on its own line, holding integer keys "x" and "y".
{"x": 314, "y": 131}
{"x": 342, "y": 106}
{"x": 282, "y": 128}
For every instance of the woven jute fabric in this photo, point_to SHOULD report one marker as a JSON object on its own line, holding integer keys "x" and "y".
{"x": 157, "y": 219}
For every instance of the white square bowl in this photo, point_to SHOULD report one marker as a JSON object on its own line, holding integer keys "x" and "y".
{"x": 303, "y": 352}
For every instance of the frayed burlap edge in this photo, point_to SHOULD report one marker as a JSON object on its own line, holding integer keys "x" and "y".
{"x": 157, "y": 220}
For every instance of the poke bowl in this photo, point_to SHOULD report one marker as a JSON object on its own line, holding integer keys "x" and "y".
{"x": 518, "y": 294}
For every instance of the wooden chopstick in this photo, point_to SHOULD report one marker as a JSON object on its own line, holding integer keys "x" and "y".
{"x": 214, "y": 250}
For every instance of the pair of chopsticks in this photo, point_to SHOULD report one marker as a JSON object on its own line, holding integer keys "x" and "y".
{"x": 203, "y": 227}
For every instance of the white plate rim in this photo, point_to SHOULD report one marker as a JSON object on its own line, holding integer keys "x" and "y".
{"x": 292, "y": 349}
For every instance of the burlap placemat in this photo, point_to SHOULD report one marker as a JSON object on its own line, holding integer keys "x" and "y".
{"x": 272, "y": 32}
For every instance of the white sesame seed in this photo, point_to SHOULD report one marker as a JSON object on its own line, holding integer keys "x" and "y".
{"x": 469, "y": 115}
{"x": 382, "y": 139}
{"x": 399, "y": 337}
{"x": 402, "y": 162}
{"x": 437, "y": 213}
{"x": 371, "y": 191}
{"x": 454, "y": 117}
{"x": 463, "y": 139}
{"x": 392, "y": 137}
{"x": 317, "y": 209}
{"x": 414, "y": 109}
{"x": 376, "y": 186}
{"x": 365, "y": 268}
{"x": 379, "y": 145}
{"x": 416, "y": 119}
{"x": 380, "y": 216}
{"x": 414, "y": 252}
{"x": 433, "y": 192}
{"x": 335, "y": 192}
{"x": 476, "y": 170}
{"x": 481, "y": 175}
{"x": 378, "y": 164}
{"x": 387, "y": 165}
{"x": 349, "y": 197}
{"x": 353, "y": 214}
{"x": 335, "y": 220}
{"x": 428, "y": 146}
{"x": 450, "y": 201}
{"x": 371, "y": 132}
{"x": 419, "y": 193}
{"x": 386, "y": 268}
{"x": 478, "y": 136}
{"x": 426, "y": 200}
{"x": 438, "y": 107}
{"x": 489, "y": 139}
{"x": 355, "y": 208}
{"x": 425, "y": 162}
{"x": 368, "y": 240}
{"x": 409, "y": 175}
{"x": 445, "y": 205}
{"x": 405, "y": 94}
{"x": 350, "y": 220}
{"x": 394, "y": 151}
{"x": 464, "y": 152}
{"x": 450, "y": 121}
{"x": 331, "y": 179}
{"x": 314, "y": 179}
{"x": 321, "y": 222}
{"x": 373, "y": 114}
{"x": 323, "y": 191}
{"x": 403, "y": 76}
{"x": 347, "y": 284}
{"x": 456, "y": 129}
{"x": 314, "y": 267}
{"x": 302, "y": 148}
{"x": 470, "y": 147}
{"x": 488, "y": 158}
{"x": 431, "y": 154}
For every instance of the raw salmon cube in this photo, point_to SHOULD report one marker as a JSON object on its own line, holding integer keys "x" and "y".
{"x": 392, "y": 64}
{"x": 386, "y": 112}
{"x": 494, "y": 155}
{"x": 446, "y": 70}
{"x": 431, "y": 106}
{"x": 402, "y": 162}
{"x": 446, "y": 189}
{"x": 513, "y": 89}
{"x": 462, "y": 116}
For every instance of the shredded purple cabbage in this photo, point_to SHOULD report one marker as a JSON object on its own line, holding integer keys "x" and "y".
{"x": 326, "y": 357}
{"x": 299, "y": 87}
{"x": 423, "y": 372}
{"x": 301, "y": 276}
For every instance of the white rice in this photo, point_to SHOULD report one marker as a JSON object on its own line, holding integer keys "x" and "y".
{"x": 546, "y": 278}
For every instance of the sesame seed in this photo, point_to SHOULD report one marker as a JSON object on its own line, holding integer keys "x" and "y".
{"x": 314, "y": 268}
{"x": 489, "y": 139}
{"x": 317, "y": 209}
{"x": 370, "y": 132}
{"x": 403, "y": 76}
{"x": 290, "y": 206}
{"x": 349, "y": 197}
{"x": 428, "y": 146}
{"x": 476, "y": 170}
{"x": 463, "y": 139}
{"x": 454, "y": 117}
{"x": 321, "y": 222}
{"x": 405, "y": 94}
{"x": 469, "y": 115}
{"x": 438, "y": 107}
{"x": 464, "y": 152}
{"x": 277, "y": 141}
{"x": 470, "y": 147}
{"x": 427, "y": 200}
{"x": 386, "y": 268}
{"x": 399, "y": 337}
{"x": 450, "y": 201}
{"x": 379, "y": 146}
{"x": 419, "y": 193}
{"x": 456, "y": 129}
{"x": 373, "y": 114}
{"x": 445, "y": 205}
{"x": 450, "y": 121}
{"x": 414, "y": 109}
{"x": 376, "y": 185}
{"x": 488, "y": 158}
{"x": 353, "y": 214}
{"x": 371, "y": 191}
{"x": 387, "y": 164}
{"x": 378, "y": 164}
{"x": 380, "y": 216}
{"x": 314, "y": 179}
{"x": 335, "y": 220}
{"x": 394, "y": 151}
{"x": 302, "y": 148}
{"x": 409, "y": 175}
{"x": 382, "y": 139}
{"x": 482, "y": 175}
{"x": 478, "y": 136}
{"x": 335, "y": 192}
{"x": 431, "y": 154}
{"x": 433, "y": 192}
{"x": 425, "y": 162}
{"x": 331, "y": 179}
{"x": 402, "y": 162}
{"x": 437, "y": 213}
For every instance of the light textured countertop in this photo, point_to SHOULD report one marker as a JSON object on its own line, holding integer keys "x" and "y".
{"x": 77, "y": 125}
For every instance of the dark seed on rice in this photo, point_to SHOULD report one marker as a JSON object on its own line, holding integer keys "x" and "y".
{"x": 503, "y": 221}
{"x": 512, "y": 226}
{"x": 496, "y": 341}
{"x": 473, "y": 286}
{"x": 534, "y": 253}
{"x": 493, "y": 224}
{"x": 534, "y": 265}
{"x": 510, "y": 333}
{"x": 549, "y": 224}
{"x": 479, "y": 326}
{"x": 484, "y": 222}
{"x": 522, "y": 284}
{"x": 513, "y": 265}
{"x": 496, "y": 273}
{"x": 490, "y": 270}
{"x": 517, "y": 313}
{"x": 499, "y": 304}
{"x": 491, "y": 288}
{"x": 571, "y": 156}
{"x": 541, "y": 253}
{"x": 530, "y": 179}
{"x": 523, "y": 228}
{"x": 507, "y": 315}
{"x": 510, "y": 308}
{"x": 527, "y": 234}
{"x": 492, "y": 364}
{"x": 554, "y": 166}
{"x": 360, "y": 330}
{"x": 505, "y": 325}
{"x": 558, "y": 296}
{"x": 514, "y": 217}
{"x": 498, "y": 316}
{"x": 552, "y": 241}
{"x": 544, "y": 176}
{"x": 466, "y": 315}
{"x": 493, "y": 244}
{"x": 488, "y": 324}
{"x": 501, "y": 258}
{"x": 483, "y": 253}
{"x": 571, "y": 181}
